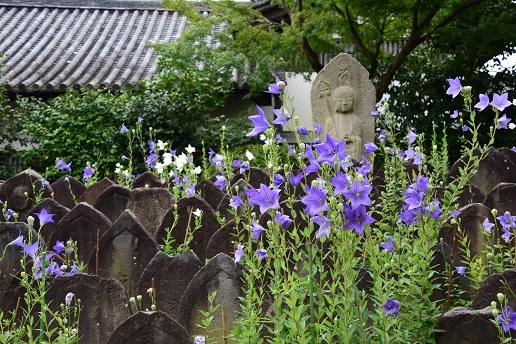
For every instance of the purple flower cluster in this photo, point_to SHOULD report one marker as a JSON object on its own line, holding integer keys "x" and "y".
{"x": 508, "y": 223}
{"x": 153, "y": 157}
{"x": 415, "y": 205}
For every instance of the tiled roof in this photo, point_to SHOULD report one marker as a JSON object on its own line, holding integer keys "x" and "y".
{"x": 51, "y": 48}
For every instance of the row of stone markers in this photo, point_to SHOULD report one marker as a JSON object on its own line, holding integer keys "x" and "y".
{"x": 130, "y": 226}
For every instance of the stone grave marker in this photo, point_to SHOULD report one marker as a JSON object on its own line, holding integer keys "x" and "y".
{"x": 150, "y": 328}
{"x": 10, "y": 265}
{"x": 81, "y": 224}
{"x": 147, "y": 180}
{"x": 113, "y": 201}
{"x": 93, "y": 191}
{"x": 223, "y": 207}
{"x": 441, "y": 260}
{"x": 52, "y": 207}
{"x": 470, "y": 194}
{"x": 171, "y": 278}
{"x": 185, "y": 209}
{"x": 464, "y": 325}
{"x": 509, "y": 154}
{"x": 150, "y": 206}
{"x": 504, "y": 283}
{"x": 495, "y": 168}
{"x": 343, "y": 99}
{"x": 104, "y": 304}
{"x": 223, "y": 239}
{"x": 27, "y": 182}
{"x": 254, "y": 176}
{"x": 67, "y": 191}
{"x": 502, "y": 198}
{"x": 471, "y": 218}
{"x": 210, "y": 192}
{"x": 222, "y": 276}
{"x": 124, "y": 252}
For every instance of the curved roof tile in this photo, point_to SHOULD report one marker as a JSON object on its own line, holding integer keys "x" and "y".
{"x": 51, "y": 48}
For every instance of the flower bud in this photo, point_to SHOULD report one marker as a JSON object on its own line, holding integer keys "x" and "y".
{"x": 223, "y": 128}
{"x": 386, "y": 106}
{"x": 153, "y": 308}
{"x": 132, "y": 300}
{"x": 26, "y": 194}
{"x": 495, "y": 312}
{"x": 340, "y": 206}
{"x": 494, "y": 212}
{"x": 64, "y": 267}
{"x": 493, "y": 304}
{"x": 315, "y": 183}
{"x": 434, "y": 147}
{"x": 296, "y": 120}
{"x": 500, "y": 296}
{"x": 237, "y": 188}
{"x": 302, "y": 146}
{"x": 466, "y": 89}
{"x": 150, "y": 128}
{"x": 386, "y": 266}
{"x": 360, "y": 177}
{"x": 453, "y": 221}
{"x": 30, "y": 221}
{"x": 139, "y": 298}
{"x": 489, "y": 256}
{"x": 269, "y": 131}
{"x": 281, "y": 86}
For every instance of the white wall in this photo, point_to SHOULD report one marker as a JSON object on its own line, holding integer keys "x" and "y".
{"x": 299, "y": 89}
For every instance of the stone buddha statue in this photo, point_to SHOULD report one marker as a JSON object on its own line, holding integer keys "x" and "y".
{"x": 343, "y": 124}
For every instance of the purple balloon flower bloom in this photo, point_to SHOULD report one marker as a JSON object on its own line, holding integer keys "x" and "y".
{"x": 265, "y": 198}
{"x": 237, "y": 202}
{"x": 239, "y": 253}
{"x": 314, "y": 165}
{"x": 370, "y": 148}
{"x": 465, "y": 128}
{"x": 68, "y": 298}
{"x": 283, "y": 220}
{"x": 330, "y": 149}
{"x": 507, "y": 221}
{"x": 257, "y": 230}
{"x": 388, "y": 246}
{"x": 500, "y": 101}
{"x": 358, "y": 194}
{"x": 455, "y": 114}
{"x": 318, "y": 129}
{"x": 461, "y": 270}
{"x": 274, "y": 88}
{"x": 8, "y": 213}
{"x": 18, "y": 241}
{"x": 123, "y": 129}
{"x": 87, "y": 173}
{"x": 59, "y": 247}
{"x": 375, "y": 113}
{"x": 62, "y": 165}
{"x": 278, "y": 180}
{"x": 282, "y": 116}
{"x": 411, "y": 137}
{"x": 302, "y": 130}
{"x": 455, "y": 87}
{"x": 391, "y": 307}
{"x": 220, "y": 182}
{"x": 315, "y": 200}
{"x": 503, "y": 122}
{"x": 483, "y": 103}
{"x": 44, "y": 217}
{"x": 259, "y": 121}
{"x": 261, "y": 253}
{"x": 357, "y": 218}
{"x": 507, "y": 319}
{"x": 340, "y": 182}
{"x": 506, "y": 236}
{"x": 488, "y": 226}
{"x": 295, "y": 179}
{"x": 324, "y": 225}
{"x": 31, "y": 250}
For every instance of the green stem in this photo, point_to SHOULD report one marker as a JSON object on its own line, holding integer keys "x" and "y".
{"x": 311, "y": 290}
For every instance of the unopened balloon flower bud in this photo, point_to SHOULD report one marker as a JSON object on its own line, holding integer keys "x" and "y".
{"x": 500, "y": 296}
{"x": 281, "y": 86}
{"x": 340, "y": 206}
{"x": 223, "y": 127}
{"x": 30, "y": 221}
{"x": 493, "y": 304}
{"x": 494, "y": 212}
{"x": 132, "y": 300}
{"x": 139, "y": 298}
{"x": 150, "y": 128}
{"x": 489, "y": 256}
{"x": 315, "y": 183}
{"x": 296, "y": 120}
{"x": 453, "y": 221}
{"x": 153, "y": 308}
{"x": 434, "y": 147}
{"x": 26, "y": 194}
{"x": 269, "y": 131}
{"x": 467, "y": 89}
{"x": 302, "y": 146}
{"x": 360, "y": 177}
{"x": 495, "y": 312}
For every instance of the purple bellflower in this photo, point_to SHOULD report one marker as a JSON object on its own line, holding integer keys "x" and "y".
{"x": 488, "y": 226}
{"x": 411, "y": 137}
{"x": 455, "y": 114}
{"x": 283, "y": 220}
{"x": 59, "y": 247}
{"x": 31, "y": 250}
{"x": 61, "y": 165}
{"x": 370, "y": 148}
{"x": 274, "y": 88}
{"x": 259, "y": 121}
{"x": 8, "y": 213}
{"x": 18, "y": 241}
{"x": 220, "y": 182}
{"x": 465, "y": 128}
{"x": 388, "y": 246}
{"x": 318, "y": 129}
{"x": 324, "y": 225}
{"x": 44, "y": 217}
{"x": 507, "y": 319}
{"x": 461, "y": 270}
{"x": 302, "y": 130}
{"x": 483, "y": 103}
{"x": 391, "y": 307}
{"x": 506, "y": 236}
{"x": 257, "y": 230}
{"x": 261, "y": 253}
{"x": 315, "y": 200}
{"x": 87, "y": 173}
{"x": 331, "y": 149}
{"x": 265, "y": 198}
{"x": 340, "y": 182}
{"x": 123, "y": 129}
{"x": 278, "y": 180}
{"x": 282, "y": 116}
{"x": 295, "y": 179}
{"x": 503, "y": 122}
{"x": 239, "y": 253}
{"x": 507, "y": 221}
{"x": 455, "y": 87}
{"x": 358, "y": 194}
{"x": 357, "y": 218}
{"x": 68, "y": 298}
{"x": 237, "y": 202}
{"x": 500, "y": 101}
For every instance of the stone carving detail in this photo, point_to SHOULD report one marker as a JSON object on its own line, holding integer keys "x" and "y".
{"x": 343, "y": 98}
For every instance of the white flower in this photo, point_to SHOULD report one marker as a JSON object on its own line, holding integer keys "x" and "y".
{"x": 249, "y": 155}
{"x": 181, "y": 160}
{"x": 161, "y": 145}
{"x": 512, "y": 125}
{"x": 197, "y": 212}
{"x": 167, "y": 159}
{"x": 197, "y": 170}
{"x": 269, "y": 165}
{"x": 263, "y": 137}
{"x": 190, "y": 149}
{"x": 159, "y": 167}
